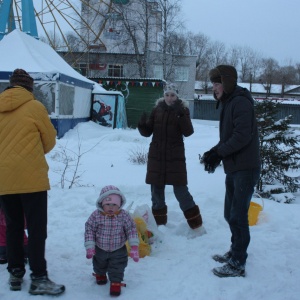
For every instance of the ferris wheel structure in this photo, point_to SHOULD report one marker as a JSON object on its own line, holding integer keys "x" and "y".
{"x": 53, "y": 20}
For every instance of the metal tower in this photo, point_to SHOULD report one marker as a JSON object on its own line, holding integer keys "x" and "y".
{"x": 8, "y": 18}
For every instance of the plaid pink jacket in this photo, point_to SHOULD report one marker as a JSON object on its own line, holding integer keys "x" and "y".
{"x": 110, "y": 233}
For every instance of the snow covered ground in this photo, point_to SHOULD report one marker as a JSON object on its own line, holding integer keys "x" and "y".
{"x": 179, "y": 267}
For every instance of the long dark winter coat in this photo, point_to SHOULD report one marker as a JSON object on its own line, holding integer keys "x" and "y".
{"x": 238, "y": 145}
{"x": 166, "y": 157}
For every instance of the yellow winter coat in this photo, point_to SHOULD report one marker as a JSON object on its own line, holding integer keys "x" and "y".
{"x": 26, "y": 135}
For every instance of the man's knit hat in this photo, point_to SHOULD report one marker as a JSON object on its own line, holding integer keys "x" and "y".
{"x": 107, "y": 191}
{"x": 171, "y": 88}
{"x": 225, "y": 74}
{"x": 21, "y": 78}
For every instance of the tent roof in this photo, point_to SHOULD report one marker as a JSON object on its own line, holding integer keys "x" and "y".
{"x": 20, "y": 50}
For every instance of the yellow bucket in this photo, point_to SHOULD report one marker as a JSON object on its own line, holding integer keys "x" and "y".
{"x": 253, "y": 212}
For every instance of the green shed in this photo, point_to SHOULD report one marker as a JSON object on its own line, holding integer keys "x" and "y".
{"x": 140, "y": 94}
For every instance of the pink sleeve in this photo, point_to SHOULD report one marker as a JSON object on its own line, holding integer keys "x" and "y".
{"x": 2, "y": 218}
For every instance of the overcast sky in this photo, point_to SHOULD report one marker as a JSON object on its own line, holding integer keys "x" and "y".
{"x": 270, "y": 27}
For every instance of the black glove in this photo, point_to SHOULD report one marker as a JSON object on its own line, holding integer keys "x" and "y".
{"x": 203, "y": 158}
{"x": 212, "y": 162}
{"x": 143, "y": 119}
{"x": 178, "y": 108}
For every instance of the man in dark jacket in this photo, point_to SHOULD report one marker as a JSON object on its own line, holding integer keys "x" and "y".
{"x": 238, "y": 149}
{"x": 168, "y": 123}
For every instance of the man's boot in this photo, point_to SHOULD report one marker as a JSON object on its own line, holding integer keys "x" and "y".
{"x": 42, "y": 285}
{"x": 16, "y": 279}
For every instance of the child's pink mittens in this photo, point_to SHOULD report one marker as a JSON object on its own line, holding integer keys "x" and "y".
{"x": 90, "y": 253}
{"x": 134, "y": 253}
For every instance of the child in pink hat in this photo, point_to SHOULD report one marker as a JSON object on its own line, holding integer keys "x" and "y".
{"x": 106, "y": 232}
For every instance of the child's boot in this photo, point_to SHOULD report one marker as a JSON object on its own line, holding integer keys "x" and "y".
{"x": 100, "y": 279}
{"x": 160, "y": 215}
{"x": 115, "y": 288}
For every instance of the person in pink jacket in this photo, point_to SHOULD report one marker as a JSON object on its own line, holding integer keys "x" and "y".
{"x": 106, "y": 232}
{"x": 3, "y": 255}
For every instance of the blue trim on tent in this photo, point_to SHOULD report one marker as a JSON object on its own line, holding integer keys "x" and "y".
{"x": 5, "y": 75}
{"x": 64, "y": 125}
{"x": 61, "y": 77}
{"x": 77, "y": 82}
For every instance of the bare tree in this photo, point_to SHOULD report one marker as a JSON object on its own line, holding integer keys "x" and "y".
{"x": 200, "y": 45}
{"x": 54, "y": 40}
{"x": 149, "y": 26}
{"x": 233, "y": 56}
{"x": 218, "y": 53}
{"x": 171, "y": 23}
{"x": 269, "y": 72}
{"x": 74, "y": 42}
{"x": 245, "y": 57}
{"x": 298, "y": 72}
{"x": 139, "y": 22}
{"x": 176, "y": 45}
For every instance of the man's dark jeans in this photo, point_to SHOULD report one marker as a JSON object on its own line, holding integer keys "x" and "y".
{"x": 34, "y": 207}
{"x": 239, "y": 190}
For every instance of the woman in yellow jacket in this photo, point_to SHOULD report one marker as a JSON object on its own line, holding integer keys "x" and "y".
{"x": 26, "y": 135}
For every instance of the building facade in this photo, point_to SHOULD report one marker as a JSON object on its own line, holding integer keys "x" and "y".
{"x": 94, "y": 64}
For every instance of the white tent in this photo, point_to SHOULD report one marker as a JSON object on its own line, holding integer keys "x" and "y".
{"x": 66, "y": 94}
{"x": 20, "y": 50}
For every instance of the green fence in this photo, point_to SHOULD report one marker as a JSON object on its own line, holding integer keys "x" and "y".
{"x": 140, "y": 95}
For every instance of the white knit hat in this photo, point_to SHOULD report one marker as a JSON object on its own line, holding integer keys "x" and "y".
{"x": 171, "y": 88}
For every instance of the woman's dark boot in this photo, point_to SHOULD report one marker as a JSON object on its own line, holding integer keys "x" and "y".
{"x": 193, "y": 217}
{"x": 160, "y": 215}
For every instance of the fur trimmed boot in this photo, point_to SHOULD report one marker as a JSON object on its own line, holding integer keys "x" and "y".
{"x": 160, "y": 215}
{"x": 193, "y": 217}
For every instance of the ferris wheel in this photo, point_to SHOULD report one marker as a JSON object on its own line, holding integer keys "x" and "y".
{"x": 64, "y": 24}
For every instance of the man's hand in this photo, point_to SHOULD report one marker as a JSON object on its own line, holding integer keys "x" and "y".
{"x": 211, "y": 160}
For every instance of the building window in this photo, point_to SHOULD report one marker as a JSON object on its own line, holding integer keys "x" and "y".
{"x": 181, "y": 74}
{"x": 158, "y": 72}
{"x": 115, "y": 71}
{"x": 83, "y": 68}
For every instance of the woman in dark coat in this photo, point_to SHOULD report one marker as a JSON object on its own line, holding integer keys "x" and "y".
{"x": 168, "y": 123}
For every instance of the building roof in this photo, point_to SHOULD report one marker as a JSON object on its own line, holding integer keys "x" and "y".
{"x": 257, "y": 88}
